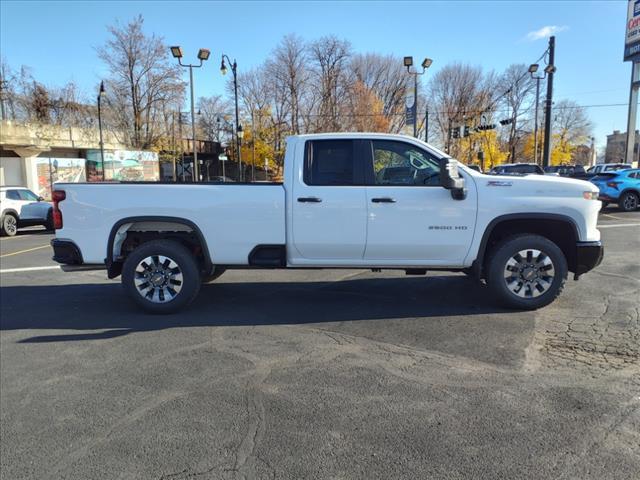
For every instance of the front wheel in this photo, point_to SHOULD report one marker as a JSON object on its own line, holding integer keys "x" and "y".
{"x": 161, "y": 276}
{"x": 628, "y": 202}
{"x": 526, "y": 271}
{"x": 9, "y": 225}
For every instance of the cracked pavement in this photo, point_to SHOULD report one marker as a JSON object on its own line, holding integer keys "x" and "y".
{"x": 321, "y": 374}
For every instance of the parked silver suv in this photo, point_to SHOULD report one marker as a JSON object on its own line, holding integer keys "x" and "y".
{"x": 22, "y": 208}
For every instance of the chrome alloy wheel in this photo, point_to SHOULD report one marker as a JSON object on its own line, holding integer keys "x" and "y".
{"x": 529, "y": 273}
{"x": 158, "y": 279}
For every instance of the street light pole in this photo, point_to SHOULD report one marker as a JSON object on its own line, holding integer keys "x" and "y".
{"x": 203, "y": 54}
{"x": 100, "y": 94}
{"x": 426, "y": 63}
{"x": 234, "y": 71}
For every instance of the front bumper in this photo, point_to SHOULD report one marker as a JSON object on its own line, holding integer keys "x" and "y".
{"x": 588, "y": 256}
{"x": 66, "y": 252}
{"x": 606, "y": 198}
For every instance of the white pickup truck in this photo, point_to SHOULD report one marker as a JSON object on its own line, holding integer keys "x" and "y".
{"x": 353, "y": 200}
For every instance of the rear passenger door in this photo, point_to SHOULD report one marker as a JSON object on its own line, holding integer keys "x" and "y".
{"x": 329, "y": 203}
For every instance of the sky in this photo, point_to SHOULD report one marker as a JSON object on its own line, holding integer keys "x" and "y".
{"x": 58, "y": 39}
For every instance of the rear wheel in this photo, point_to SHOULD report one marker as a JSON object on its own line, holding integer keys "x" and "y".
{"x": 161, "y": 276}
{"x": 526, "y": 271}
{"x": 628, "y": 202}
{"x": 9, "y": 225}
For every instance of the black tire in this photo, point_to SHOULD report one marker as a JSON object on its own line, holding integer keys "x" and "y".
{"x": 528, "y": 278}
{"x": 48, "y": 224}
{"x": 604, "y": 205}
{"x": 217, "y": 273}
{"x": 189, "y": 276}
{"x": 628, "y": 202}
{"x": 9, "y": 225}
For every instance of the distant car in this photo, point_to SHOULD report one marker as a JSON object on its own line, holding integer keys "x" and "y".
{"x": 565, "y": 170}
{"x": 621, "y": 187}
{"x": 22, "y": 208}
{"x": 517, "y": 169}
{"x": 608, "y": 167}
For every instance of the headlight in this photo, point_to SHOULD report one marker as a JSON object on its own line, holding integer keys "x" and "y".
{"x": 590, "y": 195}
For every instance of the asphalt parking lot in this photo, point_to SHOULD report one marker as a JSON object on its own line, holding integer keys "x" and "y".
{"x": 319, "y": 374}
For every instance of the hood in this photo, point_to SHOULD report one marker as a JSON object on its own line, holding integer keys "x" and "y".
{"x": 539, "y": 184}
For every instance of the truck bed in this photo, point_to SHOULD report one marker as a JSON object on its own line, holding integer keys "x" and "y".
{"x": 234, "y": 218}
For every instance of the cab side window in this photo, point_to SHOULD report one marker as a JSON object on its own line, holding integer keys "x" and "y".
{"x": 28, "y": 195}
{"x": 399, "y": 163}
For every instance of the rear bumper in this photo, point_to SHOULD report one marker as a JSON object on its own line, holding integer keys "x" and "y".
{"x": 588, "y": 256}
{"x": 66, "y": 252}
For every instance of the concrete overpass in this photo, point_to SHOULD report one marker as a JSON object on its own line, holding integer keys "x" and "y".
{"x": 22, "y": 144}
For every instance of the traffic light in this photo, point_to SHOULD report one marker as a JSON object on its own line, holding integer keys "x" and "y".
{"x": 506, "y": 121}
{"x": 490, "y": 126}
{"x": 466, "y": 131}
{"x": 455, "y": 133}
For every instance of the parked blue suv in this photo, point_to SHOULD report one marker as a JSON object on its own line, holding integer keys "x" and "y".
{"x": 621, "y": 187}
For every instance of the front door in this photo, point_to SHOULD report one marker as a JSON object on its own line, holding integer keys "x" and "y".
{"x": 329, "y": 203}
{"x": 411, "y": 218}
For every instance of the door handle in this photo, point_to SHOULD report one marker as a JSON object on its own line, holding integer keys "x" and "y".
{"x": 309, "y": 199}
{"x": 383, "y": 200}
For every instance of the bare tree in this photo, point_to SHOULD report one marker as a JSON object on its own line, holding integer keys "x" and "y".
{"x": 288, "y": 68}
{"x": 143, "y": 81}
{"x": 460, "y": 94}
{"x": 211, "y": 110}
{"x": 329, "y": 57}
{"x": 518, "y": 88}
{"x": 571, "y": 127}
{"x": 386, "y": 77}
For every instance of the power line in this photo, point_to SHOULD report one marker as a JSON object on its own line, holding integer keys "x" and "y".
{"x": 453, "y": 113}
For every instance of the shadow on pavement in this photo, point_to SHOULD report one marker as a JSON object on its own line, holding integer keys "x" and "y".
{"x": 105, "y": 306}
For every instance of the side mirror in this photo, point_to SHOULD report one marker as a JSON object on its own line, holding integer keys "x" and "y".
{"x": 451, "y": 180}
{"x": 41, "y": 199}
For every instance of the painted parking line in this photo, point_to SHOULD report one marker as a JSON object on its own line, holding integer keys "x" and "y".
{"x": 617, "y": 225}
{"x": 24, "y": 251}
{"x": 30, "y": 269}
{"x": 612, "y": 216}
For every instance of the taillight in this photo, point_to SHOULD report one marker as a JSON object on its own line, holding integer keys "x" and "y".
{"x": 613, "y": 184}
{"x": 57, "y": 196}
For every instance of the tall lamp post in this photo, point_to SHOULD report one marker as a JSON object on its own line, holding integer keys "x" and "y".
{"x": 533, "y": 68}
{"x": 100, "y": 95}
{"x": 203, "y": 54}
{"x": 234, "y": 71}
{"x": 408, "y": 63}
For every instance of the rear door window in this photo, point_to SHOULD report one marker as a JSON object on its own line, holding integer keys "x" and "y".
{"x": 13, "y": 195}
{"x": 330, "y": 162}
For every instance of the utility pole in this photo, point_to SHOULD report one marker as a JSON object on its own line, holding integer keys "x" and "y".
{"x": 550, "y": 70}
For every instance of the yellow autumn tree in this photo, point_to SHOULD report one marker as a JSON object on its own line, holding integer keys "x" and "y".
{"x": 368, "y": 110}
{"x": 486, "y": 141}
